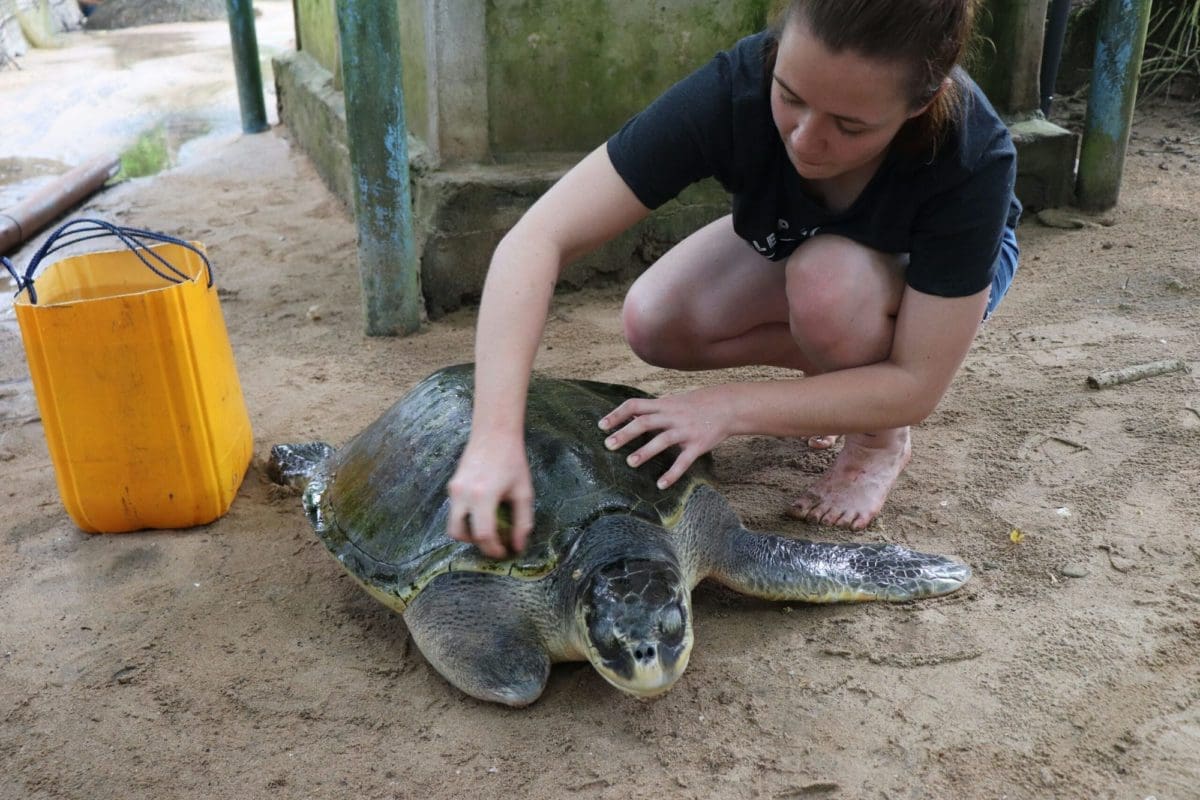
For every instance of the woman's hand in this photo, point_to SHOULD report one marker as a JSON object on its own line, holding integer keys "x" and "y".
{"x": 695, "y": 421}
{"x": 491, "y": 472}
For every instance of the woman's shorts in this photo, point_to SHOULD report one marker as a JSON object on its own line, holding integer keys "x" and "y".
{"x": 1006, "y": 268}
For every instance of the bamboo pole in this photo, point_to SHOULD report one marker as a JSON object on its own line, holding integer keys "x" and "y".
{"x": 1114, "y": 377}
{"x": 26, "y": 218}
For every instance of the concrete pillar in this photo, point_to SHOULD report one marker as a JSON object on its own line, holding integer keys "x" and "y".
{"x": 1118, "y": 63}
{"x": 1017, "y": 29}
{"x": 378, "y": 139}
{"x": 1009, "y": 72}
{"x": 456, "y": 58}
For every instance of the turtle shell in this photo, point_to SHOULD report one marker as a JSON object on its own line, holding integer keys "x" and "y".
{"x": 383, "y": 505}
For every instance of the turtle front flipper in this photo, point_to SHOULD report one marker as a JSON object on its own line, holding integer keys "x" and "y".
{"x": 777, "y": 568}
{"x": 475, "y": 629}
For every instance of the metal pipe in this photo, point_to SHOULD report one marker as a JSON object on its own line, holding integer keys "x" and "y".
{"x": 1119, "y": 45}
{"x": 1052, "y": 47}
{"x": 245, "y": 65}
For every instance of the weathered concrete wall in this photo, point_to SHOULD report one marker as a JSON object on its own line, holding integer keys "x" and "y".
{"x": 462, "y": 72}
{"x": 315, "y": 113}
{"x": 461, "y": 213}
{"x": 565, "y": 74}
{"x": 465, "y": 212}
{"x": 478, "y": 73}
{"x": 316, "y": 22}
{"x": 456, "y": 64}
{"x": 1045, "y": 163}
{"x": 503, "y": 96}
{"x": 413, "y": 54}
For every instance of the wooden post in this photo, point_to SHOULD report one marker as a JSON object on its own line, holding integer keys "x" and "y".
{"x": 1119, "y": 45}
{"x": 378, "y": 140}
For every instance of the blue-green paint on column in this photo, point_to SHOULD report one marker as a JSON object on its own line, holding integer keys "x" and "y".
{"x": 378, "y": 142}
{"x": 245, "y": 65}
{"x": 1119, "y": 45}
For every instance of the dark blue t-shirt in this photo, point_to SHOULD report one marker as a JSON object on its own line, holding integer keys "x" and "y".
{"x": 946, "y": 209}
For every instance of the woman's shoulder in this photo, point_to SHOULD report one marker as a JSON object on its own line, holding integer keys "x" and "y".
{"x": 976, "y": 141}
{"x": 746, "y": 64}
{"x": 974, "y": 167}
{"x": 979, "y": 135}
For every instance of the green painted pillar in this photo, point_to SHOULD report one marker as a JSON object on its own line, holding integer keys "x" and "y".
{"x": 378, "y": 140}
{"x": 245, "y": 65}
{"x": 1119, "y": 45}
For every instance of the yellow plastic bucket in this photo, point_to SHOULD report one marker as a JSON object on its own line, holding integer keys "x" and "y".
{"x": 135, "y": 380}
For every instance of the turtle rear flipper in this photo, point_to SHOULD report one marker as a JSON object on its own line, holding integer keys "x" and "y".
{"x": 294, "y": 464}
{"x": 777, "y": 568}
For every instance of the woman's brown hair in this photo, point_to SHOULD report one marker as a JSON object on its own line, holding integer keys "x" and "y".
{"x": 930, "y": 36}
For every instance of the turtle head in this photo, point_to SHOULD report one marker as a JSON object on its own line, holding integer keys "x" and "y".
{"x": 635, "y": 614}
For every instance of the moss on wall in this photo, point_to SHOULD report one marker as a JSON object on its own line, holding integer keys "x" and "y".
{"x": 317, "y": 23}
{"x": 565, "y": 74}
{"x": 412, "y": 56}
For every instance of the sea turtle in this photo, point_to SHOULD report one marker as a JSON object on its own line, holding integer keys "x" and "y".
{"x": 609, "y": 568}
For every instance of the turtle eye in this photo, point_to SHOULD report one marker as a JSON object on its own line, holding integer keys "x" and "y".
{"x": 604, "y": 633}
{"x": 672, "y": 621}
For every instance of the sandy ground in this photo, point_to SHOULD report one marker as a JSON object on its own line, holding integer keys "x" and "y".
{"x": 238, "y": 660}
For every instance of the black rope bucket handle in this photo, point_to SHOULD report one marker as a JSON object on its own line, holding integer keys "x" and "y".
{"x": 81, "y": 230}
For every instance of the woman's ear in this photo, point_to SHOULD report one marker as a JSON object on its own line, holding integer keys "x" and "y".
{"x": 945, "y": 85}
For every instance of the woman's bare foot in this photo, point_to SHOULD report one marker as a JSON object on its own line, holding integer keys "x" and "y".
{"x": 822, "y": 442}
{"x": 851, "y": 493}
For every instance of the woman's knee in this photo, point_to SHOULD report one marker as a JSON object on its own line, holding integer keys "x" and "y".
{"x": 644, "y": 328}
{"x": 842, "y": 299}
{"x": 711, "y": 287}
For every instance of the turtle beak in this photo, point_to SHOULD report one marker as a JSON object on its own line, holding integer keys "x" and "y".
{"x": 644, "y": 663}
{"x": 653, "y": 669}
{"x": 648, "y": 669}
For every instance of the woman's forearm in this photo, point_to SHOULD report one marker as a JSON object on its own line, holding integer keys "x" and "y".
{"x": 589, "y": 206}
{"x": 512, "y": 314}
{"x": 869, "y": 398}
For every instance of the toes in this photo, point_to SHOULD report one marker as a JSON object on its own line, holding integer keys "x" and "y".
{"x": 796, "y": 512}
{"x": 813, "y": 507}
{"x": 822, "y": 442}
{"x": 833, "y": 517}
{"x": 803, "y": 506}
